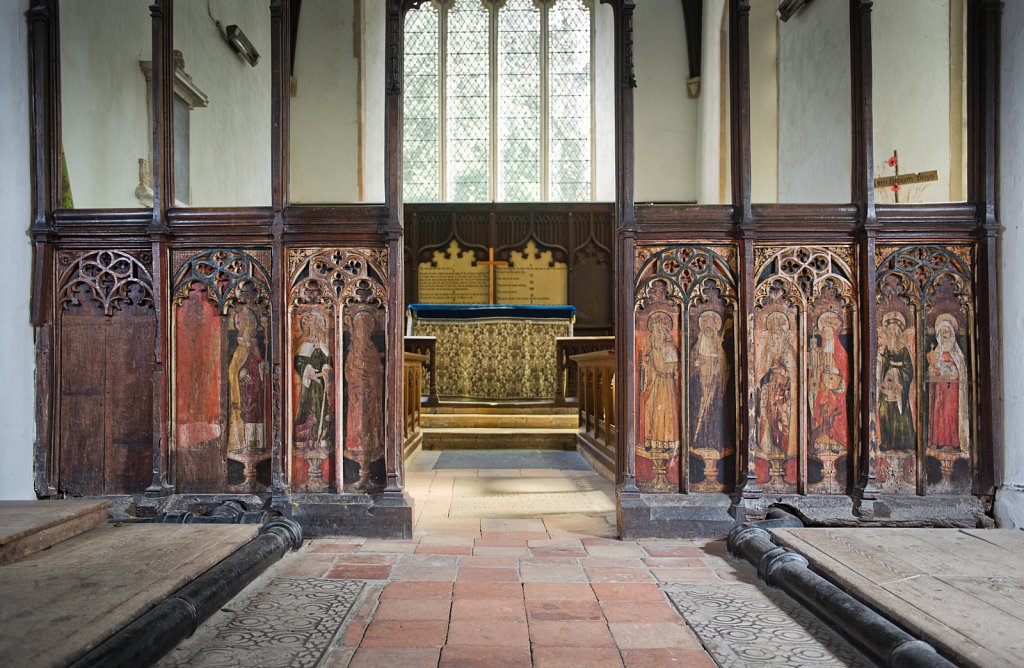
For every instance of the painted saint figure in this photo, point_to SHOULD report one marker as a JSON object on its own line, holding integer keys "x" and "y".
{"x": 364, "y": 391}
{"x": 830, "y": 378}
{"x": 660, "y": 395}
{"x": 895, "y": 375}
{"x": 246, "y": 386}
{"x": 314, "y": 413}
{"x": 947, "y": 398}
{"x": 775, "y": 399}
{"x": 712, "y": 367}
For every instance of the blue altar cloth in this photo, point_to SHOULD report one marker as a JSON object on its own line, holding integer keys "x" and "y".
{"x": 474, "y": 311}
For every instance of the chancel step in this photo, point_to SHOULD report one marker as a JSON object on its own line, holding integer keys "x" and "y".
{"x": 501, "y": 420}
{"x": 456, "y": 438}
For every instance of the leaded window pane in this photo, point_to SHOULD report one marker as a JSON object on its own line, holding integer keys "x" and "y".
{"x": 422, "y": 111}
{"x": 569, "y": 101}
{"x": 519, "y": 102}
{"x": 468, "y": 102}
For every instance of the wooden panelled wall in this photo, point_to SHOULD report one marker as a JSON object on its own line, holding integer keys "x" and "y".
{"x": 763, "y": 351}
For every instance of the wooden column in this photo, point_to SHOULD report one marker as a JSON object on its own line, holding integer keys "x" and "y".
{"x": 280, "y": 105}
{"x": 863, "y": 187}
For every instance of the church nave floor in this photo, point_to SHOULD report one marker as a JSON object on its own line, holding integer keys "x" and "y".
{"x": 483, "y": 583}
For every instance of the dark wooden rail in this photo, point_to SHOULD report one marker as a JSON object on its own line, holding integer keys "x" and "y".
{"x": 412, "y": 374}
{"x": 565, "y": 349}
{"x": 596, "y": 384}
{"x": 426, "y": 345}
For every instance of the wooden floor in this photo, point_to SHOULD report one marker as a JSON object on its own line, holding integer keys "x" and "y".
{"x": 30, "y": 526}
{"x": 62, "y": 602}
{"x": 960, "y": 589}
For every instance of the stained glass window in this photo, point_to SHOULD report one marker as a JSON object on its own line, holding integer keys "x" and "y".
{"x": 498, "y": 101}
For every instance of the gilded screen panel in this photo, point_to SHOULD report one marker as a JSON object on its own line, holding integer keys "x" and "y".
{"x": 222, "y": 382}
{"x": 685, "y": 345}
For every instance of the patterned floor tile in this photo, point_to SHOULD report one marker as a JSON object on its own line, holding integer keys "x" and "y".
{"x": 744, "y": 625}
{"x": 288, "y": 623}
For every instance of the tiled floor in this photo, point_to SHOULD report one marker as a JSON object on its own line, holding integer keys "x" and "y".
{"x": 555, "y": 589}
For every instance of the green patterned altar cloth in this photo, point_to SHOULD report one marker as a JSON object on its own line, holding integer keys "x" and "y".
{"x": 486, "y": 356}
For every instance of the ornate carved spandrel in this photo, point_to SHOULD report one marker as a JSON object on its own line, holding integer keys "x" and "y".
{"x": 337, "y": 331}
{"x": 532, "y": 277}
{"x": 112, "y": 279}
{"x": 803, "y": 389}
{"x": 453, "y": 277}
{"x": 222, "y": 385}
{"x": 698, "y": 283}
{"x": 928, "y": 360}
{"x": 106, "y": 333}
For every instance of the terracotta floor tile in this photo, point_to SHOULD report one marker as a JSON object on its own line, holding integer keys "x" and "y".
{"x": 684, "y": 574}
{"x": 499, "y": 541}
{"x": 512, "y": 525}
{"x": 470, "y": 574}
{"x": 389, "y": 657}
{"x": 488, "y": 551}
{"x": 639, "y": 611}
{"x": 618, "y": 575}
{"x": 647, "y": 635}
{"x": 496, "y": 609}
{"x": 432, "y": 609}
{"x": 558, "y": 591}
{"x": 577, "y": 551}
{"x": 444, "y": 549}
{"x": 486, "y": 632}
{"x": 685, "y": 551}
{"x": 389, "y": 546}
{"x": 405, "y": 633}
{"x": 685, "y": 658}
{"x": 358, "y": 572}
{"x": 620, "y": 550}
{"x": 417, "y": 590}
{"x": 369, "y": 559}
{"x": 470, "y": 656}
{"x": 303, "y": 569}
{"x": 551, "y": 573}
{"x": 574, "y": 657}
{"x": 431, "y": 560}
{"x": 563, "y": 610}
{"x": 488, "y": 590}
{"x": 331, "y": 546}
{"x": 570, "y": 634}
{"x": 672, "y": 562}
{"x": 488, "y": 562}
{"x": 628, "y": 592}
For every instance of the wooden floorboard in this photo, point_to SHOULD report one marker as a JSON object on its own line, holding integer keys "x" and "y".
{"x": 940, "y": 584}
{"x": 27, "y": 527}
{"x": 60, "y": 603}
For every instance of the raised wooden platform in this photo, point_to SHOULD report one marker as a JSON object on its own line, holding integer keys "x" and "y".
{"x": 27, "y": 527}
{"x": 958, "y": 589}
{"x": 61, "y": 603}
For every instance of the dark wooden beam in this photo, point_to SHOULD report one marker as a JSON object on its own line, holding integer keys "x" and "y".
{"x": 693, "y": 24}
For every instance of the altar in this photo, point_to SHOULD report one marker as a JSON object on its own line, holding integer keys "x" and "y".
{"x": 493, "y": 352}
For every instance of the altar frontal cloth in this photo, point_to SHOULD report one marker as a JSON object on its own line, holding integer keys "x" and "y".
{"x": 493, "y": 352}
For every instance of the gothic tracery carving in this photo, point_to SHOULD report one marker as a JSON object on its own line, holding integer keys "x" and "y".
{"x": 113, "y": 278}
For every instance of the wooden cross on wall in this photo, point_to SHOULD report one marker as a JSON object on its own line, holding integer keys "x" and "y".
{"x": 491, "y": 263}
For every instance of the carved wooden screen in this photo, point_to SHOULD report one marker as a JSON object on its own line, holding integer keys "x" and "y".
{"x": 106, "y": 356}
{"x": 925, "y": 370}
{"x": 685, "y": 345}
{"x": 337, "y": 320}
{"x": 221, "y": 409}
{"x": 803, "y": 369}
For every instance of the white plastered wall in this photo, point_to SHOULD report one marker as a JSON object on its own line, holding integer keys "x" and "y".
{"x": 815, "y": 119}
{"x": 665, "y": 143}
{"x": 331, "y": 103}
{"x": 1010, "y": 496}
{"x": 17, "y": 392}
{"x": 104, "y": 97}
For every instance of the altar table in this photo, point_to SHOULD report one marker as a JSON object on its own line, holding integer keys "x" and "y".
{"x": 493, "y": 352}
